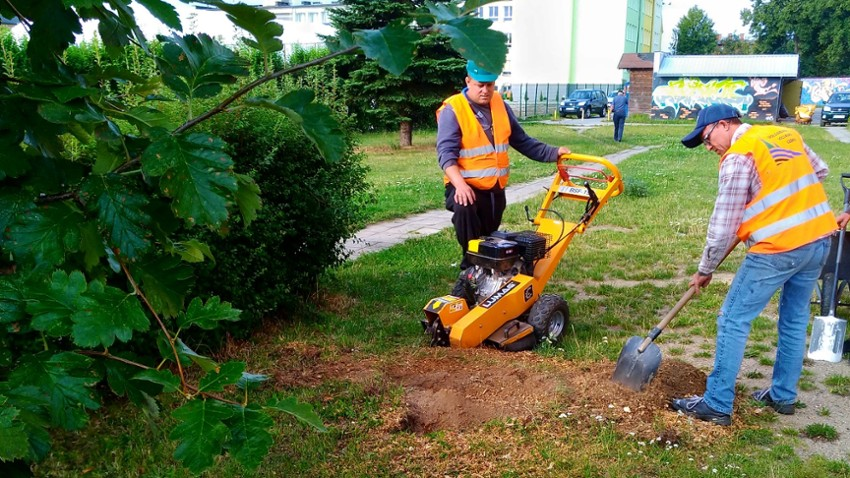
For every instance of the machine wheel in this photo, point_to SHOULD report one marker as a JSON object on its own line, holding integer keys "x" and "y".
{"x": 604, "y": 112}
{"x": 549, "y": 317}
{"x": 823, "y": 123}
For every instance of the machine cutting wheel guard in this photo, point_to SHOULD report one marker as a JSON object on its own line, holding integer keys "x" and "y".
{"x": 499, "y": 300}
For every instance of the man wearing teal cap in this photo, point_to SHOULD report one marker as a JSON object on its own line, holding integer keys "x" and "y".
{"x": 474, "y": 130}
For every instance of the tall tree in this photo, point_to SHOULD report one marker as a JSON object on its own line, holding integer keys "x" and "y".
{"x": 734, "y": 44}
{"x": 383, "y": 100}
{"x": 694, "y": 35}
{"x": 817, "y": 30}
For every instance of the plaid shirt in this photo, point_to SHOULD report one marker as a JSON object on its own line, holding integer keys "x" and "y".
{"x": 738, "y": 184}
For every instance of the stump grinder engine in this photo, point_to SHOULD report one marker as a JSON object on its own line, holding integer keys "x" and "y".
{"x": 498, "y": 300}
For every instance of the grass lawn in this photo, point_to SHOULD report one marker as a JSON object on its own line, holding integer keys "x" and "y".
{"x": 360, "y": 358}
{"x": 408, "y": 180}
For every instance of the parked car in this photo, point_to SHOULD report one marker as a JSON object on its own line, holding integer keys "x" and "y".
{"x": 836, "y": 109}
{"x": 583, "y": 103}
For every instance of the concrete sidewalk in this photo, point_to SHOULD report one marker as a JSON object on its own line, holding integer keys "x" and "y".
{"x": 385, "y": 234}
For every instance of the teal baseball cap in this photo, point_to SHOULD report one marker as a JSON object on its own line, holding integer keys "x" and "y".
{"x": 479, "y": 74}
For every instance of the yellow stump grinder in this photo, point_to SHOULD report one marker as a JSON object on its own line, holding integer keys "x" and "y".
{"x": 498, "y": 300}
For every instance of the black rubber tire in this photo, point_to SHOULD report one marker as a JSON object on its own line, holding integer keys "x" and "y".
{"x": 549, "y": 317}
{"x": 823, "y": 123}
{"x": 827, "y": 294}
{"x": 604, "y": 112}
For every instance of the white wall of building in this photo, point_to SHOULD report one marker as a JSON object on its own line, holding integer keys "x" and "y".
{"x": 600, "y": 45}
{"x": 540, "y": 48}
{"x": 543, "y": 48}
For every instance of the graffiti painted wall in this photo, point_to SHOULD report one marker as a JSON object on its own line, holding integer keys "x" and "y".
{"x": 817, "y": 90}
{"x": 755, "y": 98}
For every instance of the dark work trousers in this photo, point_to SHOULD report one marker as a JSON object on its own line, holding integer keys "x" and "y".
{"x": 480, "y": 218}
{"x": 619, "y": 124}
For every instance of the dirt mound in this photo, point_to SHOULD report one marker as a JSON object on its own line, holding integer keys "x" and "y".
{"x": 461, "y": 390}
{"x": 455, "y": 392}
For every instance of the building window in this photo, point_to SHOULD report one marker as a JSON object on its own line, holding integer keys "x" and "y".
{"x": 494, "y": 12}
{"x": 508, "y": 13}
{"x": 479, "y": 12}
{"x": 313, "y": 16}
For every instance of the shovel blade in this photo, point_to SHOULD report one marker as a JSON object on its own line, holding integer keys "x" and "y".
{"x": 635, "y": 369}
{"x": 827, "y": 341}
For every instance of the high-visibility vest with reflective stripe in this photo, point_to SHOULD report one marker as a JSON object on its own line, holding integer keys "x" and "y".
{"x": 481, "y": 163}
{"x": 791, "y": 210}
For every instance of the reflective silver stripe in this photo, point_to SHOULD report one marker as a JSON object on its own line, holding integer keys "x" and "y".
{"x": 484, "y": 173}
{"x": 482, "y": 150}
{"x": 790, "y": 222}
{"x": 779, "y": 195}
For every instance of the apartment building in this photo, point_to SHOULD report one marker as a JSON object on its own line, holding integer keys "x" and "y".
{"x": 580, "y": 41}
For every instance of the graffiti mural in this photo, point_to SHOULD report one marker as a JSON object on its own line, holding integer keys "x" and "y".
{"x": 755, "y": 98}
{"x": 817, "y": 90}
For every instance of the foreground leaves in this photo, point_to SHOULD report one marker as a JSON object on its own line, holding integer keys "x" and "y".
{"x": 196, "y": 66}
{"x": 196, "y": 172}
{"x": 66, "y": 380}
{"x": 13, "y": 437}
{"x": 201, "y": 434}
{"x": 106, "y": 314}
{"x": 315, "y": 119}
{"x": 101, "y": 190}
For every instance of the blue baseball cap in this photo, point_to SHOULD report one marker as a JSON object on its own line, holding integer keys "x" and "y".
{"x": 708, "y": 115}
{"x": 479, "y": 74}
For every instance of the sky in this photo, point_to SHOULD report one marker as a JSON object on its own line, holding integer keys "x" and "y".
{"x": 724, "y": 13}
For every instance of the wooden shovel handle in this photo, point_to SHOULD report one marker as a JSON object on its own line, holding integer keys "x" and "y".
{"x": 653, "y": 334}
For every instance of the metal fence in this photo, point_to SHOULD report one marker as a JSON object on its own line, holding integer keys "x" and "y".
{"x": 542, "y": 99}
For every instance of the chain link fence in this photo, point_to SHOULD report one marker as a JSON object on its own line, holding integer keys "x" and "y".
{"x": 541, "y": 99}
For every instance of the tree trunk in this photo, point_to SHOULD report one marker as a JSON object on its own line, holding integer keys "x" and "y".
{"x": 405, "y": 134}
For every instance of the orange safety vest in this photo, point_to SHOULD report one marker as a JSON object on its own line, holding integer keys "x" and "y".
{"x": 481, "y": 162}
{"x": 791, "y": 210}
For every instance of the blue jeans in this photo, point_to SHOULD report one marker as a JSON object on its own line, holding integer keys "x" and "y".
{"x": 794, "y": 272}
{"x": 619, "y": 124}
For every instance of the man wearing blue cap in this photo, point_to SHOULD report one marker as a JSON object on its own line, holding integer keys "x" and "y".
{"x": 770, "y": 196}
{"x": 474, "y": 130}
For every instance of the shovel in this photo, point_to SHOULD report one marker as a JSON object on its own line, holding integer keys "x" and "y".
{"x": 827, "y": 342}
{"x": 640, "y": 358}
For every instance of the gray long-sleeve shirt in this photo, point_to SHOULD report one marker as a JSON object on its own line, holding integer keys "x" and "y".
{"x": 449, "y": 136}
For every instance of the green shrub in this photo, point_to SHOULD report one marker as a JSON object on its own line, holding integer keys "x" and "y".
{"x": 309, "y": 208}
{"x": 637, "y": 188}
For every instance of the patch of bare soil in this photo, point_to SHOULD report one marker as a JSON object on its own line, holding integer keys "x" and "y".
{"x": 460, "y": 391}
